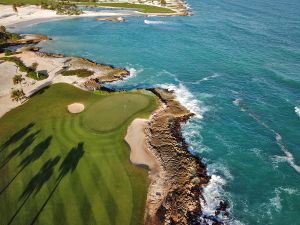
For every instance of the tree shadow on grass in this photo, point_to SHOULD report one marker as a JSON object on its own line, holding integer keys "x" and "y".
{"x": 36, "y": 153}
{"x": 36, "y": 183}
{"x": 40, "y": 90}
{"x": 16, "y": 136}
{"x": 67, "y": 166}
{"x": 20, "y": 149}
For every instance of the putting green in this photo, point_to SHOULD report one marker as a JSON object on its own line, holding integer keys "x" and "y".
{"x": 55, "y": 170}
{"x": 110, "y": 113}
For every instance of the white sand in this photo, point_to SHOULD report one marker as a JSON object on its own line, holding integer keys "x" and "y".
{"x": 75, "y": 108}
{"x": 34, "y": 14}
{"x": 50, "y": 65}
{"x": 136, "y": 138}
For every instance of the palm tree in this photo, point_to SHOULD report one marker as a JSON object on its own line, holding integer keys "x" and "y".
{"x": 17, "y": 95}
{"x": 15, "y": 8}
{"x": 17, "y": 79}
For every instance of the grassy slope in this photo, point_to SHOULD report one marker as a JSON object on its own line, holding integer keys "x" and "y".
{"x": 140, "y": 7}
{"x": 92, "y": 182}
{"x": 22, "y": 2}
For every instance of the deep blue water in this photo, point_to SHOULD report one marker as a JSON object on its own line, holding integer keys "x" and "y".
{"x": 236, "y": 64}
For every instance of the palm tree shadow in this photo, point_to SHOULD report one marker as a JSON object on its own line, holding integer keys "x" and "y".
{"x": 67, "y": 166}
{"x": 36, "y": 183}
{"x": 71, "y": 161}
{"x": 16, "y": 136}
{"x": 21, "y": 148}
{"x": 36, "y": 153}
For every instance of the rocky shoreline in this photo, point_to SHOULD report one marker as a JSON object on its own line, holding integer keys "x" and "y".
{"x": 182, "y": 173}
{"x": 175, "y": 191}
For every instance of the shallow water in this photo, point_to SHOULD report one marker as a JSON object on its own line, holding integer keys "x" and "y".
{"x": 236, "y": 65}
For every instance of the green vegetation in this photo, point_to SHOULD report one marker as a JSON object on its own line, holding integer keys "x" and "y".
{"x": 61, "y": 7}
{"x": 78, "y": 72}
{"x": 72, "y": 9}
{"x": 140, "y": 7}
{"x": 17, "y": 79}
{"x": 9, "y": 53}
{"x": 17, "y": 95}
{"x": 53, "y": 170}
{"x": 18, "y": 3}
{"x": 99, "y": 117}
{"x": 6, "y": 36}
{"x": 30, "y": 71}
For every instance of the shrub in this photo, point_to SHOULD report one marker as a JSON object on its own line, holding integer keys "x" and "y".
{"x": 9, "y": 53}
{"x": 17, "y": 79}
{"x": 23, "y": 68}
{"x": 17, "y": 95}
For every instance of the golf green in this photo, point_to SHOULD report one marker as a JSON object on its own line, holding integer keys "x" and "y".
{"x": 62, "y": 168}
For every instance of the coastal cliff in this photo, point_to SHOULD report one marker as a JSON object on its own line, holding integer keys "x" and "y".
{"x": 174, "y": 194}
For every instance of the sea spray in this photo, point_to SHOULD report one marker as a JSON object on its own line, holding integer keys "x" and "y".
{"x": 213, "y": 193}
{"x": 187, "y": 99}
{"x": 297, "y": 111}
{"x": 154, "y": 22}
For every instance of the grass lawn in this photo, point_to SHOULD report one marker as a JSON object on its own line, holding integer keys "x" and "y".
{"x": 22, "y": 2}
{"x": 54, "y": 169}
{"x": 140, "y": 7}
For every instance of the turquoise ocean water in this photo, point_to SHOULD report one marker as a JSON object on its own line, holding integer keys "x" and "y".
{"x": 236, "y": 64}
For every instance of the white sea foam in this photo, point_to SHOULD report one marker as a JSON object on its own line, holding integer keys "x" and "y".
{"x": 236, "y": 102}
{"x": 297, "y": 111}
{"x": 154, "y": 22}
{"x": 212, "y": 194}
{"x": 186, "y": 98}
{"x": 276, "y": 201}
{"x": 134, "y": 72}
{"x": 290, "y": 191}
{"x": 288, "y": 155}
{"x": 206, "y": 78}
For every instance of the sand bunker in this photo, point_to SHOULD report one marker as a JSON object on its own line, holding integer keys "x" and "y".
{"x": 75, "y": 108}
{"x": 136, "y": 138}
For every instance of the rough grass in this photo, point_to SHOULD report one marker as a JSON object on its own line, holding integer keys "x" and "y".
{"x": 55, "y": 171}
{"x": 23, "y": 2}
{"x": 140, "y": 7}
{"x": 78, "y": 72}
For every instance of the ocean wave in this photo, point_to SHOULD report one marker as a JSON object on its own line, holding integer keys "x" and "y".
{"x": 133, "y": 71}
{"x": 213, "y": 193}
{"x": 297, "y": 111}
{"x": 187, "y": 99}
{"x": 165, "y": 73}
{"x": 288, "y": 155}
{"x": 275, "y": 202}
{"x": 154, "y": 22}
{"x": 206, "y": 78}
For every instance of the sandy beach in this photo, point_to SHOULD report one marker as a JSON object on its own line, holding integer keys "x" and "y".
{"x": 34, "y": 14}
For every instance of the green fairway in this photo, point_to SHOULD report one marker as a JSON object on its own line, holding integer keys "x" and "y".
{"x": 57, "y": 170}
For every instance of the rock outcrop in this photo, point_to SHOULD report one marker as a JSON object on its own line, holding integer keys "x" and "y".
{"x": 174, "y": 195}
